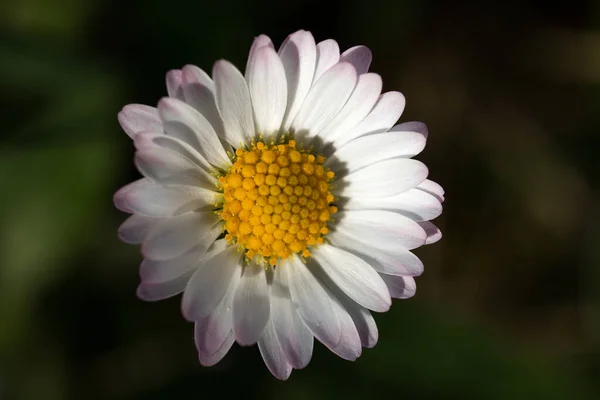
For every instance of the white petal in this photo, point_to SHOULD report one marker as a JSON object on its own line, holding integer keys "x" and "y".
{"x": 361, "y": 317}
{"x": 184, "y": 122}
{"x": 259, "y": 42}
{"x": 273, "y": 354}
{"x": 382, "y": 229}
{"x": 347, "y": 310}
{"x": 154, "y": 200}
{"x": 268, "y": 89}
{"x": 433, "y": 232}
{"x": 354, "y": 277}
{"x": 328, "y": 54}
{"x": 174, "y": 80}
{"x": 298, "y": 54}
{"x": 367, "y": 150}
{"x": 149, "y": 140}
{"x": 412, "y": 126}
{"x": 233, "y": 103}
{"x": 163, "y": 290}
{"x": 360, "y": 103}
{"x": 193, "y": 74}
{"x": 251, "y": 305}
{"x": 383, "y": 179}
{"x": 382, "y": 117}
{"x": 213, "y": 331}
{"x": 135, "y": 228}
{"x": 432, "y": 188}
{"x": 400, "y": 287}
{"x": 208, "y": 360}
{"x": 325, "y": 99}
{"x": 136, "y": 118}
{"x": 350, "y": 347}
{"x": 414, "y": 203}
{"x": 167, "y": 166}
{"x": 210, "y": 282}
{"x": 173, "y": 236}
{"x": 199, "y": 91}
{"x": 313, "y": 302}
{"x": 156, "y": 271}
{"x": 364, "y": 323}
{"x": 394, "y": 262}
{"x": 360, "y": 57}
{"x": 294, "y": 337}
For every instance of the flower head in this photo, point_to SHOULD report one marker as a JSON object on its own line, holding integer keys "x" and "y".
{"x": 282, "y": 203}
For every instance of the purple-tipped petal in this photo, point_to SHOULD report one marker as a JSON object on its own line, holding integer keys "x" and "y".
{"x": 136, "y": 118}
{"x": 360, "y": 57}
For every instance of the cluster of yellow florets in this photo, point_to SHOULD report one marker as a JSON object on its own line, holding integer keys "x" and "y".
{"x": 276, "y": 200}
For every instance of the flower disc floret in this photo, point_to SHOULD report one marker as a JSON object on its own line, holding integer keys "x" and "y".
{"x": 276, "y": 201}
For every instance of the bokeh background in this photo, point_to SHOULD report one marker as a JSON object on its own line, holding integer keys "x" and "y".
{"x": 509, "y": 305}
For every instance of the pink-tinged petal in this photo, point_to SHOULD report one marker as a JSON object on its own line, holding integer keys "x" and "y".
{"x": 120, "y": 198}
{"x": 194, "y": 74}
{"x": 199, "y": 92}
{"x": 154, "y": 200}
{"x": 273, "y": 354}
{"x": 169, "y": 167}
{"x": 234, "y": 103}
{"x": 384, "y": 179}
{"x": 214, "y": 330}
{"x": 328, "y": 54}
{"x": 163, "y": 290}
{"x": 414, "y": 203}
{"x": 136, "y": 228}
{"x": 210, "y": 282}
{"x": 400, "y": 287}
{"x": 382, "y": 117}
{"x": 433, "y": 232}
{"x": 251, "y": 305}
{"x": 360, "y": 57}
{"x": 174, "y": 236}
{"x": 184, "y": 122}
{"x": 294, "y": 337}
{"x": 433, "y": 189}
{"x": 136, "y": 118}
{"x": 157, "y": 271}
{"x": 299, "y": 55}
{"x": 382, "y": 229}
{"x": 313, "y": 303}
{"x": 360, "y": 103}
{"x": 268, "y": 89}
{"x": 354, "y": 277}
{"x": 208, "y": 360}
{"x": 174, "y": 81}
{"x": 150, "y": 140}
{"x": 325, "y": 99}
{"x": 367, "y": 150}
{"x": 259, "y": 42}
{"x": 392, "y": 261}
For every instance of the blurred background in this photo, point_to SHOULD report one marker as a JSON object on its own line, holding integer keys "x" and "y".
{"x": 509, "y": 305}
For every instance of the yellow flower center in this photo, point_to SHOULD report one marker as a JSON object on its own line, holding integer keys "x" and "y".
{"x": 277, "y": 201}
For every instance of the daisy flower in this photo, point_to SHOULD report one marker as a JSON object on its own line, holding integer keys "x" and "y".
{"x": 283, "y": 203}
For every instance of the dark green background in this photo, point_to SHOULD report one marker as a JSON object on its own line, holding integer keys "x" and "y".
{"x": 509, "y": 305}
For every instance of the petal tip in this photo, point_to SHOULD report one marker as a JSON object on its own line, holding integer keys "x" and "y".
{"x": 120, "y": 199}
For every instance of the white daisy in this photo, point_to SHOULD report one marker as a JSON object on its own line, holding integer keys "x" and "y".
{"x": 282, "y": 203}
